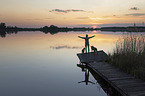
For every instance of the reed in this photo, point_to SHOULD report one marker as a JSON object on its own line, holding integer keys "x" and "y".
{"x": 129, "y": 55}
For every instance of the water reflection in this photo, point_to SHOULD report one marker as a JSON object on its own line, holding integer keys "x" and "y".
{"x": 65, "y": 47}
{"x": 51, "y": 32}
{"x": 35, "y": 68}
{"x": 110, "y": 91}
{"x": 3, "y": 33}
{"x": 84, "y": 69}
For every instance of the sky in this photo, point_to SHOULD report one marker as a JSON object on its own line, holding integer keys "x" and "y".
{"x": 39, "y": 13}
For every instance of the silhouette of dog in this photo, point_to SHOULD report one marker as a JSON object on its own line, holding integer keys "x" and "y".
{"x": 83, "y": 50}
{"x": 94, "y": 48}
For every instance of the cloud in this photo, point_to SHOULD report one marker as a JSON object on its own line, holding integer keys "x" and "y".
{"x": 135, "y": 14}
{"x": 66, "y": 11}
{"x": 38, "y": 19}
{"x": 110, "y": 16}
{"x": 134, "y": 8}
{"x": 82, "y": 18}
{"x": 47, "y": 18}
{"x": 65, "y": 47}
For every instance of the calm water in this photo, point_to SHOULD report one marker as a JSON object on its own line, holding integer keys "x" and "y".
{"x": 38, "y": 64}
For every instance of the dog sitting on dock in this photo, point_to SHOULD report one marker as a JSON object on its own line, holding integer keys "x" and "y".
{"x": 94, "y": 49}
{"x": 83, "y": 50}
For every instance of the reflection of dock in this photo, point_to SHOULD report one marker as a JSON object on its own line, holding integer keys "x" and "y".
{"x": 124, "y": 83}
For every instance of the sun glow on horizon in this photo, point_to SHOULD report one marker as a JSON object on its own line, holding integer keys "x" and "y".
{"x": 27, "y": 13}
{"x": 94, "y": 27}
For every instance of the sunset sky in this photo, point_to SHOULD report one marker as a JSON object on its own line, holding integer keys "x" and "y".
{"x": 38, "y": 13}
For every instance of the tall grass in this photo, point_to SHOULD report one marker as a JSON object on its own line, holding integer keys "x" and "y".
{"x": 129, "y": 55}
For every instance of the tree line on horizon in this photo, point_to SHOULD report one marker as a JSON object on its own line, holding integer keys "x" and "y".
{"x": 45, "y": 28}
{"x": 52, "y": 29}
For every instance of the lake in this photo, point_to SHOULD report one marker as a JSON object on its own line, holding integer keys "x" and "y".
{"x": 38, "y": 64}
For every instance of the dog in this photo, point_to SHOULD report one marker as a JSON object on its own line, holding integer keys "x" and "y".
{"x": 83, "y": 50}
{"x": 93, "y": 48}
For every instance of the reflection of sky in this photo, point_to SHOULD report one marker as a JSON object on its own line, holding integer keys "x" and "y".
{"x": 65, "y": 46}
{"x": 30, "y": 65}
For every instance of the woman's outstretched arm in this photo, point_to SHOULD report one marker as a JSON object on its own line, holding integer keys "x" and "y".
{"x": 81, "y": 37}
{"x": 92, "y": 36}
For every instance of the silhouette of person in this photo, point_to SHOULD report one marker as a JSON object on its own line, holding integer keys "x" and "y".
{"x": 86, "y": 78}
{"x": 86, "y": 41}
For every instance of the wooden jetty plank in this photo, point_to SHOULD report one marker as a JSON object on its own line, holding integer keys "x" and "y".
{"x": 105, "y": 78}
{"x": 113, "y": 79}
{"x": 127, "y": 82}
{"x": 138, "y": 88}
{"x": 124, "y": 83}
{"x": 132, "y": 85}
{"x": 137, "y": 93}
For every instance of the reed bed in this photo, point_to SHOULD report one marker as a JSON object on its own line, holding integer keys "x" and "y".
{"x": 129, "y": 55}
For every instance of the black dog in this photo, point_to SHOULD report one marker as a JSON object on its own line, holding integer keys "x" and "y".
{"x": 94, "y": 48}
{"x": 83, "y": 50}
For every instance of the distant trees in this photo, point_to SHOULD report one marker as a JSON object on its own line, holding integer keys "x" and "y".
{"x": 2, "y": 26}
{"x": 52, "y": 27}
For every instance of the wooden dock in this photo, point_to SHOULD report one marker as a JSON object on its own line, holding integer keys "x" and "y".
{"x": 124, "y": 83}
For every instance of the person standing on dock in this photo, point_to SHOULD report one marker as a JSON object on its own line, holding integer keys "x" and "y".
{"x": 86, "y": 41}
